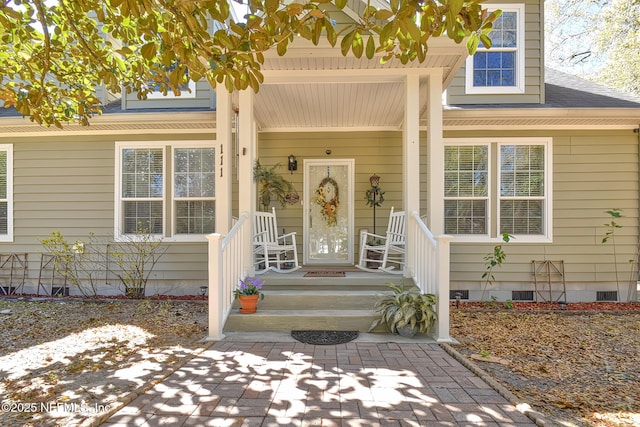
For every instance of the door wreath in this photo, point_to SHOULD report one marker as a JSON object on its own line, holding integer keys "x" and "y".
{"x": 328, "y": 198}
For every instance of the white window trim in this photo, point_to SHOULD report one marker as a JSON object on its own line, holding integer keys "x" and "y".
{"x": 493, "y": 236}
{"x": 167, "y": 199}
{"x": 490, "y": 190}
{"x": 520, "y": 58}
{"x": 175, "y": 235}
{"x": 9, "y": 236}
{"x": 118, "y": 233}
{"x": 186, "y": 94}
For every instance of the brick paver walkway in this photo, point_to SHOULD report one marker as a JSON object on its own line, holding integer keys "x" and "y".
{"x": 296, "y": 384}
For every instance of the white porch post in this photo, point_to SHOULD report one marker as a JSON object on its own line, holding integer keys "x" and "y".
{"x": 224, "y": 161}
{"x": 247, "y": 156}
{"x": 216, "y": 295}
{"x": 435, "y": 208}
{"x": 411, "y": 163}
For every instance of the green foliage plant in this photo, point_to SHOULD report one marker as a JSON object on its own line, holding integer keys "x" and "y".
{"x": 405, "y": 307}
{"x": 493, "y": 260}
{"x": 249, "y": 286}
{"x": 74, "y": 262}
{"x": 135, "y": 257}
{"x": 72, "y": 48}
{"x": 615, "y": 215}
{"x": 271, "y": 185}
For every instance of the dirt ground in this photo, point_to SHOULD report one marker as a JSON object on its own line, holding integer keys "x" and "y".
{"x": 62, "y": 359}
{"x": 580, "y": 368}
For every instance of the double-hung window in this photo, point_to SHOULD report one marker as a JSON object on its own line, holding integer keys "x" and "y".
{"x": 498, "y": 186}
{"x": 500, "y": 69}
{"x": 165, "y": 189}
{"x": 6, "y": 193}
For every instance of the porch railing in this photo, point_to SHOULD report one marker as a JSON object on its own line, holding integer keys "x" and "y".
{"x": 226, "y": 268}
{"x": 431, "y": 271}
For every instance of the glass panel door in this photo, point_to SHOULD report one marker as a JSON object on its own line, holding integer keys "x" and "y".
{"x": 328, "y": 204}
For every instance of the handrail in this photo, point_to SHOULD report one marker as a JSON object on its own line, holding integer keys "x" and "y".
{"x": 431, "y": 271}
{"x": 226, "y": 269}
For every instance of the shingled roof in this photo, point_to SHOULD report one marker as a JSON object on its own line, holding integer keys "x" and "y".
{"x": 564, "y": 90}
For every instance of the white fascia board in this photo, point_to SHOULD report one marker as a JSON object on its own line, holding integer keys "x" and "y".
{"x": 118, "y": 123}
{"x": 330, "y": 129}
{"x": 546, "y": 118}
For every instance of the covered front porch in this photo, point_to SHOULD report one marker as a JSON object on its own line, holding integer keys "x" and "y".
{"x": 313, "y": 104}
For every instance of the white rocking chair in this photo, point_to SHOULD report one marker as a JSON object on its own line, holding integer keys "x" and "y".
{"x": 270, "y": 251}
{"x": 388, "y": 251}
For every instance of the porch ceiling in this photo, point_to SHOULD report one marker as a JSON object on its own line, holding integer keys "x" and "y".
{"x": 315, "y": 87}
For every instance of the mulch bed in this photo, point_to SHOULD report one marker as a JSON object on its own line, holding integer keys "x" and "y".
{"x": 547, "y": 306}
{"x": 68, "y": 351}
{"x": 578, "y": 366}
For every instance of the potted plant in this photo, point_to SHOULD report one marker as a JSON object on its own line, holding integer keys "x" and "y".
{"x": 271, "y": 186}
{"x": 405, "y": 312}
{"x": 248, "y": 293}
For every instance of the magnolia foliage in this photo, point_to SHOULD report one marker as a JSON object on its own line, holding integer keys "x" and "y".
{"x": 54, "y": 54}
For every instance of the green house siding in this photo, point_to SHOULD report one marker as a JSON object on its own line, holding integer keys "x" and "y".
{"x": 593, "y": 172}
{"x": 66, "y": 184}
{"x": 373, "y": 152}
{"x": 533, "y": 65}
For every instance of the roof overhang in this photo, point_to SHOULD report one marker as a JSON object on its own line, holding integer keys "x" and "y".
{"x": 317, "y": 88}
{"x": 540, "y": 118}
{"x": 159, "y": 123}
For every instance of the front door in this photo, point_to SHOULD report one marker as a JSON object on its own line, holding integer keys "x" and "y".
{"x": 328, "y": 207}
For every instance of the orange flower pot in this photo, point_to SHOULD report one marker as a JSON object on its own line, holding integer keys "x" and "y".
{"x": 248, "y": 303}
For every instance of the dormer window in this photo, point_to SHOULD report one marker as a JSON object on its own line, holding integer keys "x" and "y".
{"x": 500, "y": 69}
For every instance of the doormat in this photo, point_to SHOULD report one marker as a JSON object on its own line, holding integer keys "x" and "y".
{"x": 324, "y": 274}
{"x": 324, "y": 337}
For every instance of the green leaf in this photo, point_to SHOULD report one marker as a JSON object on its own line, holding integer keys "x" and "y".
{"x": 281, "y": 48}
{"x": 332, "y": 36}
{"x": 271, "y": 5}
{"x": 148, "y": 51}
{"x": 357, "y": 45}
{"x": 317, "y": 31}
{"x": 371, "y": 47}
{"x": 345, "y": 44}
{"x": 486, "y": 41}
{"x": 472, "y": 43}
{"x": 340, "y": 4}
{"x": 383, "y": 14}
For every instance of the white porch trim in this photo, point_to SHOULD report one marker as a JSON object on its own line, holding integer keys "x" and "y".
{"x": 411, "y": 161}
{"x": 224, "y": 162}
{"x": 247, "y": 157}
{"x": 435, "y": 173}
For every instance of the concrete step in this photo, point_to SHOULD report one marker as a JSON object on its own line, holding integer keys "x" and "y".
{"x": 295, "y": 302}
{"x": 335, "y": 284}
{"x": 292, "y": 320}
{"x": 292, "y": 299}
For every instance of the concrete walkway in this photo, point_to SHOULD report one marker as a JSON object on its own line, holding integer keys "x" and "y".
{"x": 288, "y": 383}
